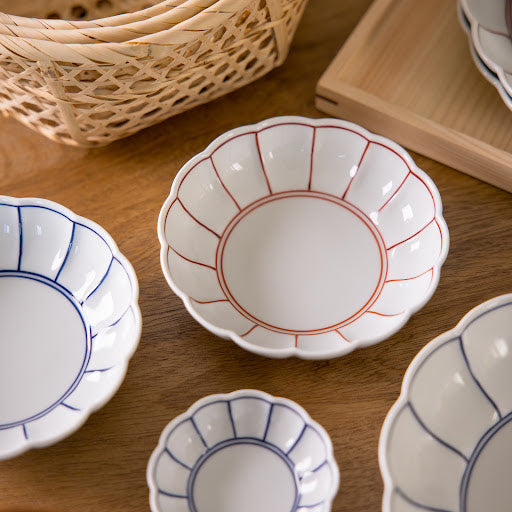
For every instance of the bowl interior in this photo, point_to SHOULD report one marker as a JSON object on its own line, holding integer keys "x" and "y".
{"x": 67, "y": 321}
{"x": 243, "y": 452}
{"x": 448, "y": 442}
{"x": 297, "y": 230}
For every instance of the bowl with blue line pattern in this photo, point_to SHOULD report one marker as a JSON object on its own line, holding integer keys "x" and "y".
{"x": 244, "y": 451}
{"x": 446, "y": 444}
{"x": 69, "y": 321}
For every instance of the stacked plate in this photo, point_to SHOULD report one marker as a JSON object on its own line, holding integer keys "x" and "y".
{"x": 490, "y": 43}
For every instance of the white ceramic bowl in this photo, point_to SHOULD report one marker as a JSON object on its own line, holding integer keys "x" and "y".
{"x": 69, "y": 321}
{"x": 245, "y": 451}
{"x": 446, "y": 444}
{"x": 471, "y": 28}
{"x": 302, "y": 237}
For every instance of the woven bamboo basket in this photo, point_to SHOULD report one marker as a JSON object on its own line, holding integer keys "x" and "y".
{"x": 90, "y": 94}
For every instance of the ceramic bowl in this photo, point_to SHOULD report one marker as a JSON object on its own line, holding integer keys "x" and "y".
{"x": 487, "y": 72}
{"x": 245, "y": 451}
{"x": 446, "y": 444}
{"x": 302, "y": 237}
{"x": 69, "y": 321}
{"x": 490, "y": 38}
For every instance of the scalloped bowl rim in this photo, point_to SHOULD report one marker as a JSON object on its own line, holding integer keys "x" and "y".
{"x": 430, "y": 347}
{"x": 241, "y": 393}
{"x": 293, "y": 351}
{"x": 90, "y": 408}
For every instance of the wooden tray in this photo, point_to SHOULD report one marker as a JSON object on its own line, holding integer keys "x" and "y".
{"x": 406, "y": 72}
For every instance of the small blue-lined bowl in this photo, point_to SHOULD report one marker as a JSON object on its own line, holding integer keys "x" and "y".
{"x": 69, "y": 322}
{"x": 245, "y": 451}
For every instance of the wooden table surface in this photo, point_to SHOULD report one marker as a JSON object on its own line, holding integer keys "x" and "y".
{"x": 122, "y": 187}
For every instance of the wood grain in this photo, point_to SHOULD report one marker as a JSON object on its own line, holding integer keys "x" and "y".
{"x": 122, "y": 187}
{"x": 407, "y": 72}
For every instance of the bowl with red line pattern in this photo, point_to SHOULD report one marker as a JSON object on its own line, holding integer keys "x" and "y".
{"x": 302, "y": 237}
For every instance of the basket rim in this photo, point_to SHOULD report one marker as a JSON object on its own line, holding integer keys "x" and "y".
{"x": 113, "y": 21}
{"x": 154, "y": 45}
{"x": 117, "y": 34}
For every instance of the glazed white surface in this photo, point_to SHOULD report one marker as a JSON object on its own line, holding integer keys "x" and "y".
{"x": 69, "y": 321}
{"x": 243, "y": 451}
{"x": 445, "y": 444}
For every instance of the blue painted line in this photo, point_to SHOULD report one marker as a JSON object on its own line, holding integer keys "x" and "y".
{"x": 313, "y": 505}
{"x": 119, "y": 319}
{"x": 20, "y": 224}
{"x": 172, "y": 495}
{"x": 101, "y": 282}
{"x": 436, "y": 437}
{"x": 416, "y": 504}
{"x": 231, "y": 418}
{"x": 175, "y": 459}
{"x": 297, "y": 441}
{"x": 474, "y": 457}
{"x": 320, "y": 466}
{"x": 99, "y": 370}
{"x": 269, "y": 417}
{"x": 70, "y": 406}
{"x": 25, "y": 431}
{"x": 477, "y": 382}
{"x": 198, "y": 431}
{"x": 67, "y": 253}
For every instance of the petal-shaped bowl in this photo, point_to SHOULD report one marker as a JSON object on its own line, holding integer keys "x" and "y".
{"x": 446, "y": 444}
{"x": 69, "y": 322}
{"x": 245, "y": 451}
{"x": 302, "y": 237}
{"x": 488, "y": 73}
{"x": 491, "y": 41}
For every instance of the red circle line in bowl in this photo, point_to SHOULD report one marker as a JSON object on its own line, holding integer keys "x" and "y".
{"x": 308, "y": 194}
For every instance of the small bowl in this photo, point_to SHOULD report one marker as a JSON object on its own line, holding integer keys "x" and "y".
{"x": 446, "y": 444}
{"x": 302, "y": 237}
{"x": 69, "y": 322}
{"x": 245, "y": 451}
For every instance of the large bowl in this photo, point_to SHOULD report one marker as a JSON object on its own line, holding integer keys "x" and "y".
{"x": 69, "y": 322}
{"x": 446, "y": 444}
{"x": 302, "y": 237}
{"x": 245, "y": 451}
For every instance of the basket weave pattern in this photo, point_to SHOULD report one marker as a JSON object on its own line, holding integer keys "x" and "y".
{"x": 95, "y": 102}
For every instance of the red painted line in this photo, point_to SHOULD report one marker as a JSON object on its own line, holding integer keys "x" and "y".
{"x": 336, "y": 330}
{"x": 198, "y": 221}
{"x": 311, "y": 161}
{"x": 357, "y": 170}
{"x": 411, "y": 278}
{"x": 382, "y": 314}
{"x": 441, "y": 233}
{"x": 250, "y": 330}
{"x": 224, "y": 186}
{"x": 412, "y": 236}
{"x": 395, "y": 152}
{"x": 394, "y": 193}
{"x": 296, "y": 340}
{"x": 208, "y": 301}
{"x": 187, "y": 259}
{"x": 292, "y": 194}
{"x": 261, "y": 162}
